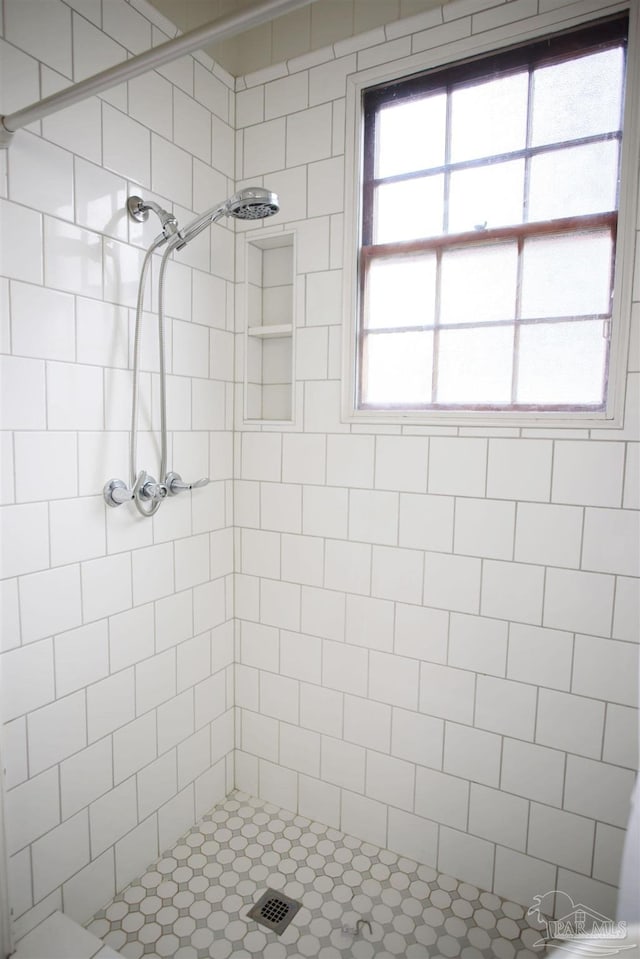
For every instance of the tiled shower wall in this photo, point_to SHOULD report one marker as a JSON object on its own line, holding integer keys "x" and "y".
{"x": 117, "y": 643}
{"x": 438, "y": 627}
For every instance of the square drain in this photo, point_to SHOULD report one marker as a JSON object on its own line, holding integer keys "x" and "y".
{"x": 274, "y": 910}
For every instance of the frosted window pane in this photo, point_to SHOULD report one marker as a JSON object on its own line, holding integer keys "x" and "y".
{"x": 479, "y": 284}
{"x": 490, "y": 196}
{"x": 566, "y": 275}
{"x": 578, "y": 98}
{"x": 411, "y": 136}
{"x": 562, "y": 363}
{"x": 475, "y": 366}
{"x": 489, "y": 118}
{"x": 401, "y": 292}
{"x": 574, "y": 182}
{"x": 397, "y": 368}
{"x": 409, "y": 210}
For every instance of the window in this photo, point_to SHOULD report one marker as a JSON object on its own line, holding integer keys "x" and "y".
{"x": 489, "y": 218}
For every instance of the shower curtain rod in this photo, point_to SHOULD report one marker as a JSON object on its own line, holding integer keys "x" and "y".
{"x": 219, "y": 29}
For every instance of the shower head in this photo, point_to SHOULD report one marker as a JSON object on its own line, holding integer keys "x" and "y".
{"x": 253, "y": 203}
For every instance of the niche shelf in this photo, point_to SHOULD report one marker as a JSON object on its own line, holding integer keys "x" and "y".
{"x": 269, "y": 328}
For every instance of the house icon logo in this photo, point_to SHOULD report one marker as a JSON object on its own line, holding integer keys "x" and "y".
{"x": 579, "y": 930}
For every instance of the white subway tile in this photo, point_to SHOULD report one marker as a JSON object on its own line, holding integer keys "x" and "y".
{"x": 60, "y": 854}
{"x": 131, "y": 637}
{"x": 519, "y": 877}
{"x": 14, "y": 749}
{"x": 540, "y": 656}
{"x": 260, "y": 735}
{"x": 583, "y": 889}
{"x": 343, "y": 764}
{"x": 127, "y": 147}
{"x": 300, "y": 656}
{"x": 32, "y": 809}
{"x": 74, "y": 397}
{"x": 77, "y": 529}
{"x": 81, "y": 657}
{"x": 347, "y": 565}
{"x": 261, "y": 456}
{"x": 287, "y": 95}
{"x": 570, "y": 722}
{"x": 194, "y": 757}
{"x": 49, "y": 602}
{"x": 466, "y": 856}
{"x": 606, "y": 669}
{"x": 112, "y": 816}
{"x": 300, "y": 749}
{"x": 426, "y": 522}
{"x": 512, "y": 591}
{"x": 58, "y": 450}
{"x": 447, "y": 692}
{"x": 505, "y": 707}
{"x": 150, "y": 102}
{"x": 250, "y": 106}
{"x": 211, "y": 91}
{"x": 598, "y": 790}
{"x": 588, "y": 473}
{"x": 608, "y": 852}
{"x": 279, "y": 697}
{"x": 174, "y": 620}
{"x": 110, "y": 704}
{"x": 209, "y": 605}
{"x": 72, "y": 260}
{"x": 452, "y": 582}
{"x": 51, "y": 42}
{"x": 442, "y": 798}
{"x": 416, "y": 738}
{"x": 22, "y": 394}
{"x": 421, "y": 632}
{"x": 325, "y": 187}
{"x": 319, "y": 801}
{"x": 478, "y": 644}
{"x": 519, "y": 470}
{"x": 308, "y": 135}
{"x": 278, "y": 785}
{"x": 350, "y": 460}
{"x": 457, "y": 466}
{"x": 259, "y": 646}
{"x": 42, "y": 322}
{"x": 280, "y": 604}
{"x": 373, "y": 516}
{"x": 89, "y": 890}
{"x": 303, "y": 559}
{"x": 175, "y": 817}
{"x": 345, "y": 668}
{"x": 534, "y": 772}
{"x": 484, "y": 528}
{"x": 175, "y": 721}
{"x": 85, "y": 776}
{"x": 627, "y": 609}
{"x": 367, "y": 723}
{"x": 280, "y": 507}
{"x": 9, "y": 615}
{"x": 42, "y": 176}
{"x": 56, "y": 731}
{"x": 325, "y": 513}
{"x": 323, "y": 289}
{"x": 98, "y": 601}
{"x": 612, "y": 541}
{"x": 192, "y": 127}
{"x": 370, "y": 622}
{"x": 20, "y": 80}
{"x": 472, "y": 754}
{"x": 157, "y": 783}
{"x": 100, "y": 200}
{"x": 561, "y": 837}
{"x": 549, "y": 535}
{"x": 303, "y": 458}
{"x": 397, "y": 574}
{"x": 363, "y": 817}
{"x": 193, "y": 661}
{"x": 264, "y": 148}
{"x": 322, "y": 407}
{"x": 134, "y": 746}
{"x": 390, "y": 780}
{"x": 394, "y": 679}
{"x": 149, "y": 585}
{"x": 621, "y": 736}
{"x": 401, "y": 463}
{"x": 136, "y": 851}
{"x": 323, "y": 613}
{"x": 25, "y": 539}
{"x": 328, "y": 80}
{"x": 321, "y": 709}
{"x": 578, "y": 601}
{"x": 155, "y": 681}
{"x": 27, "y": 679}
{"x": 498, "y": 817}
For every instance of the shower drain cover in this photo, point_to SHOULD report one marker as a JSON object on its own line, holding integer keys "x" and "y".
{"x": 274, "y": 910}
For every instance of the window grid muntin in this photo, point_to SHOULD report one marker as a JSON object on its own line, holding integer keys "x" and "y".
{"x": 616, "y": 37}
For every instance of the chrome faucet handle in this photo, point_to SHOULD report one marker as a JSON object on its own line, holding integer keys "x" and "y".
{"x": 147, "y": 488}
{"x": 116, "y": 492}
{"x": 175, "y": 484}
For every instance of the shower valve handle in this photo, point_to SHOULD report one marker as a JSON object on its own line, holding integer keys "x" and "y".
{"x": 146, "y": 488}
{"x": 175, "y": 484}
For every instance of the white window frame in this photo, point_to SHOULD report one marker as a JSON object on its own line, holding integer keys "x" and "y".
{"x": 573, "y": 16}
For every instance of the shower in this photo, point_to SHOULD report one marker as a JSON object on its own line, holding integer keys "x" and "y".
{"x": 252, "y": 203}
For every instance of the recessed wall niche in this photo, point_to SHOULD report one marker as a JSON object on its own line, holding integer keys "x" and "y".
{"x": 270, "y": 328}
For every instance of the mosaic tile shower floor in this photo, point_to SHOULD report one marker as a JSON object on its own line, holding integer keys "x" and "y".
{"x": 192, "y": 903}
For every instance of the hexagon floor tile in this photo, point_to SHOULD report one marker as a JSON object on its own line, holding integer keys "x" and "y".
{"x": 193, "y": 902}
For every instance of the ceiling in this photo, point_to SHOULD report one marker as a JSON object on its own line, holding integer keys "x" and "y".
{"x": 314, "y": 26}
